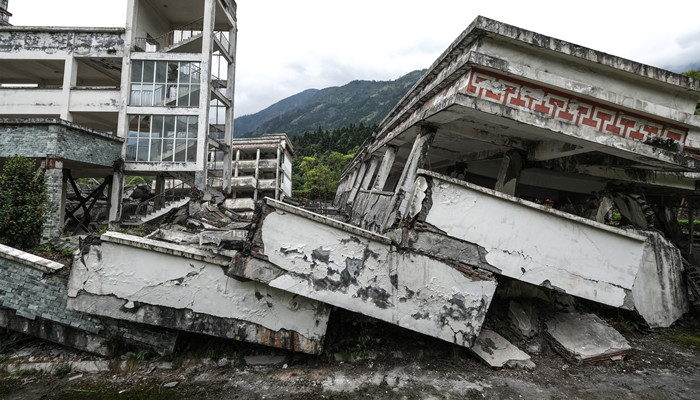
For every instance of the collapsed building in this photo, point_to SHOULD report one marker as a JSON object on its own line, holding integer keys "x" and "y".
{"x": 501, "y": 171}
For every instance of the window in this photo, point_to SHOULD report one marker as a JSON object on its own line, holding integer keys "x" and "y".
{"x": 162, "y": 138}
{"x": 165, "y": 83}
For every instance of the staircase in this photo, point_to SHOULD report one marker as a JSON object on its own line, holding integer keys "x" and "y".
{"x": 159, "y": 205}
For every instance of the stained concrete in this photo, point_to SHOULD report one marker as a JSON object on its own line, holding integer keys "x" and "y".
{"x": 497, "y": 352}
{"x": 583, "y": 338}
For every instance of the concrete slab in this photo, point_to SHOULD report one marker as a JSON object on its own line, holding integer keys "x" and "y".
{"x": 585, "y": 338}
{"x": 497, "y": 352}
{"x": 360, "y": 271}
{"x": 157, "y": 283}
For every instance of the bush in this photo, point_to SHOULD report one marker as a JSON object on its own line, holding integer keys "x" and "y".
{"x": 23, "y": 201}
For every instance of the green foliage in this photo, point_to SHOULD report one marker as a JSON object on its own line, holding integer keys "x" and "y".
{"x": 320, "y": 158}
{"x": 62, "y": 369}
{"x": 695, "y": 74}
{"x": 685, "y": 226}
{"x": 23, "y": 203}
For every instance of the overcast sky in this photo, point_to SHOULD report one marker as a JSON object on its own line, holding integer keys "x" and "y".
{"x": 285, "y": 47}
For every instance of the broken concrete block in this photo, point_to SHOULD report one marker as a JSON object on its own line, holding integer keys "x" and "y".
{"x": 585, "y": 338}
{"x": 360, "y": 271}
{"x": 230, "y": 239}
{"x": 497, "y": 352}
{"x": 183, "y": 288}
{"x": 523, "y": 318}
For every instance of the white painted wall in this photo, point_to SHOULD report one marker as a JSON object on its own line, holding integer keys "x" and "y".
{"x": 537, "y": 245}
{"x": 426, "y": 295}
{"x": 138, "y": 275}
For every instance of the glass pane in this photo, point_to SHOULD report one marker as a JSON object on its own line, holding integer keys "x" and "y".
{"x": 159, "y": 95}
{"x": 155, "y": 149}
{"x": 135, "y": 97}
{"x": 142, "y": 154}
{"x": 183, "y": 99}
{"x": 168, "y": 150}
{"x": 157, "y": 130}
{"x": 194, "y": 96}
{"x": 169, "y": 126}
{"x": 184, "y": 72}
{"x": 172, "y": 72}
{"x": 181, "y": 126}
{"x": 134, "y": 123}
{"x": 181, "y": 147}
{"x": 195, "y": 72}
{"x": 148, "y": 71}
{"x": 147, "y": 95}
{"x": 161, "y": 72}
{"x": 192, "y": 129}
{"x": 145, "y": 122}
{"x": 131, "y": 149}
{"x": 136, "y": 70}
{"x": 171, "y": 97}
{"x": 192, "y": 150}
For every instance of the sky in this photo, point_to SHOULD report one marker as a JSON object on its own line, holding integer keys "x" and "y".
{"x": 285, "y": 46}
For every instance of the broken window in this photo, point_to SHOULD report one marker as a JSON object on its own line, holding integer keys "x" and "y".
{"x": 165, "y": 83}
{"x": 162, "y": 138}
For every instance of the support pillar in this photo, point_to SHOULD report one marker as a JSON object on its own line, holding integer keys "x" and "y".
{"x": 415, "y": 160}
{"x": 56, "y": 192}
{"x": 257, "y": 174}
{"x": 385, "y": 168}
{"x": 70, "y": 78}
{"x": 357, "y": 183}
{"x": 509, "y": 174}
{"x": 116, "y": 191}
{"x": 374, "y": 163}
{"x": 160, "y": 189}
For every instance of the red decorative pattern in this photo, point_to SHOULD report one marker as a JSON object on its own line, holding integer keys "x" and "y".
{"x": 564, "y": 107}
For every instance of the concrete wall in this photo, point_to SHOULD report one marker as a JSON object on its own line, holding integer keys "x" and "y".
{"x": 57, "y": 42}
{"x": 33, "y": 296}
{"x": 532, "y": 243}
{"x": 360, "y": 271}
{"x": 156, "y": 283}
{"x": 37, "y": 138}
{"x": 634, "y": 270}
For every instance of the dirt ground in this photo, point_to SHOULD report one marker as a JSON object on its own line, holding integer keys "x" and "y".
{"x": 380, "y": 361}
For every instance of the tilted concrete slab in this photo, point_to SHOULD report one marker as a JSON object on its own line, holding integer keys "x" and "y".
{"x": 546, "y": 247}
{"x": 360, "y": 271}
{"x": 585, "y": 338}
{"x": 146, "y": 281}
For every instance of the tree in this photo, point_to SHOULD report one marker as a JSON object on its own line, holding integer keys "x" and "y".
{"x": 23, "y": 201}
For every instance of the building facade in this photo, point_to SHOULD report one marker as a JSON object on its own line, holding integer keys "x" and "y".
{"x": 163, "y": 85}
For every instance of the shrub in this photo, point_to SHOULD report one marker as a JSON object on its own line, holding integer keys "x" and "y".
{"x": 23, "y": 201}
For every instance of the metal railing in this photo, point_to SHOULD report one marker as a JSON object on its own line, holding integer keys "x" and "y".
{"x": 158, "y": 202}
{"x": 223, "y": 39}
{"x": 171, "y": 38}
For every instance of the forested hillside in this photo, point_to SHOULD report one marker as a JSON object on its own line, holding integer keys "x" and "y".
{"x": 321, "y": 156}
{"x": 366, "y": 102}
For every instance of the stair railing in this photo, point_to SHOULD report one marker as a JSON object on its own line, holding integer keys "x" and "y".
{"x": 171, "y": 38}
{"x": 159, "y": 201}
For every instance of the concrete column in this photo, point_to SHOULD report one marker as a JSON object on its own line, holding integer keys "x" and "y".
{"x": 70, "y": 78}
{"x": 205, "y": 93}
{"x": 416, "y": 159}
{"x": 257, "y": 174}
{"x": 56, "y": 191}
{"x": 385, "y": 168}
{"x": 358, "y": 182}
{"x": 116, "y": 192}
{"x": 374, "y": 163}
{"x": 277, "y": 174}
{"x": 160, "y": 189}
{"x": 231, "y": 91}
{"x": 509, "y": 174}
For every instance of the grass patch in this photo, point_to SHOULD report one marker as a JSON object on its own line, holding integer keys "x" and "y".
{"x": 682, "y": 336}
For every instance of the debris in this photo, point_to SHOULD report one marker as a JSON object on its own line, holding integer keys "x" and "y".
{"x": 523, "y": 319}
{"x": 585, "y": 338}
{"x": 497, "y": 352}
{"x": 170, "y": 385}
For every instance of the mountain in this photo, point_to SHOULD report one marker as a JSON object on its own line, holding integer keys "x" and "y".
{"x": 366, "y": 102}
